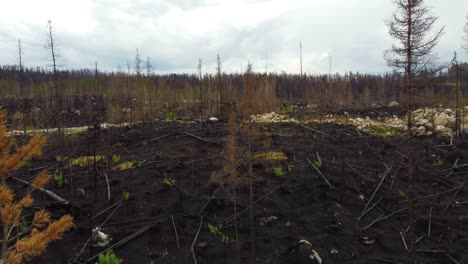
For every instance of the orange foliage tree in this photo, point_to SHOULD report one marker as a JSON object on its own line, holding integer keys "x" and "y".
{"x": 21, "y": 240}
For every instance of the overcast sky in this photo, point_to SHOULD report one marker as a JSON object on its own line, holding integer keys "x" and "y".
{"x": 175, "y": 33}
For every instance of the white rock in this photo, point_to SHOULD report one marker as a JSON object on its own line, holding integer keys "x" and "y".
{"x": 213, "y": 119}
{"x": 421, "y": 131}
{"x": 100, "y": 239}
{"x": 452, "y": 122}
{"x": 441, "y": 120}
{"x": 421, "y": 122}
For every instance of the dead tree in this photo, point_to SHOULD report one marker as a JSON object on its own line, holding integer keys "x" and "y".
{"x": 148, "y": 66}
{"x": 137, "y": 63}
{"x": 21, "y": 84}
{"x": 56, "y": 99}
{"x": 219, "y": 81}
{"x": 52, "y": 47}
{"x": 411, "y": 27}
{"x": 200, "y": 77}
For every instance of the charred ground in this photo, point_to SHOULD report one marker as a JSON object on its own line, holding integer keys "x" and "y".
{"x": 302, "y": 203}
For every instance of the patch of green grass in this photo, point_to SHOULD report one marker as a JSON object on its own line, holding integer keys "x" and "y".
{"x": 127, "y": 165}
{"x": 85, "y": 161}
{"x": 384, "y": 131}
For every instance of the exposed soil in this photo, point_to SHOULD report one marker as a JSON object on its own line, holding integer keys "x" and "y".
{"x": 302, "y": 201}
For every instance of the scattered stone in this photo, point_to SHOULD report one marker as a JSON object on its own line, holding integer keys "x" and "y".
{"x": 393, "y": 104}
{"x": 334, "y": 251}
{"x": 99, "y": 238}
{"x": 441, "y": 120}
{"x": 272, "y": 118}
{"x": 202, "y": 244}
{"x": 213, "y": 119}
{"x": 421, "y": 131}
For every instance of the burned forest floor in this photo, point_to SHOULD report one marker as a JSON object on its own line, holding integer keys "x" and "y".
{"x": 160, "y": 194}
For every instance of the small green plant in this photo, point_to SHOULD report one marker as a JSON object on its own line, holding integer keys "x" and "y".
{"x": 216, "y": 230}
{"x": 278, "y": 172}
{"x": 171, "y": 116}
{"x": 438, "y": 162}
{"x": 463, "y": 218}
{"x": 109, "y": 258}
{"x": 82, "y": 191}
{"x": 169, "y": 182}
{"x": 126, "y": 196}
{"x": 58, "y": 178}
{"x": 115, "y": 158}
{"x": 318, "y": 162}
{"x": 60, "y": 159}
{"x": 402, "y": 195}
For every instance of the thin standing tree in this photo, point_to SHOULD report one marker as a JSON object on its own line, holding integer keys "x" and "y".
{"x": 411, "y": 26}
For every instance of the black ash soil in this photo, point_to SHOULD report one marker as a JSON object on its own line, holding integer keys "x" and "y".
{"x": 304, "y": 205}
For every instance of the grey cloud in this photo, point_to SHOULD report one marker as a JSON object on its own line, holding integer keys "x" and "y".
{"x": 353, "y": 32}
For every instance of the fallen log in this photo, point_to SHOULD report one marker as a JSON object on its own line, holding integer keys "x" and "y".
{"x": 45, "y": 191}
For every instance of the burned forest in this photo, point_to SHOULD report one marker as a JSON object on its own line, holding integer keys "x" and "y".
{"x": 232, "y": 140}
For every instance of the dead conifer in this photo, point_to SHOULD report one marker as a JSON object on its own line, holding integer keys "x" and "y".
{"x": 41, "y": 231}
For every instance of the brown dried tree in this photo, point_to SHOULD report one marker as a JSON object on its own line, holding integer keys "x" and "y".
{"x": 21, "y": 240}
{"x": 411, "y": 26}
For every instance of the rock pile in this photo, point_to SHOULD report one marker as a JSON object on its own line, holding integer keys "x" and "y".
{"x": 272, "y": 118}
{"x": 430, "y": 121}
{"x": 427, "y": 122}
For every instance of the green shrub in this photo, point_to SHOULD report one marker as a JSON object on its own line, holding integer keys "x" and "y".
{"x": 109, "y": 258}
